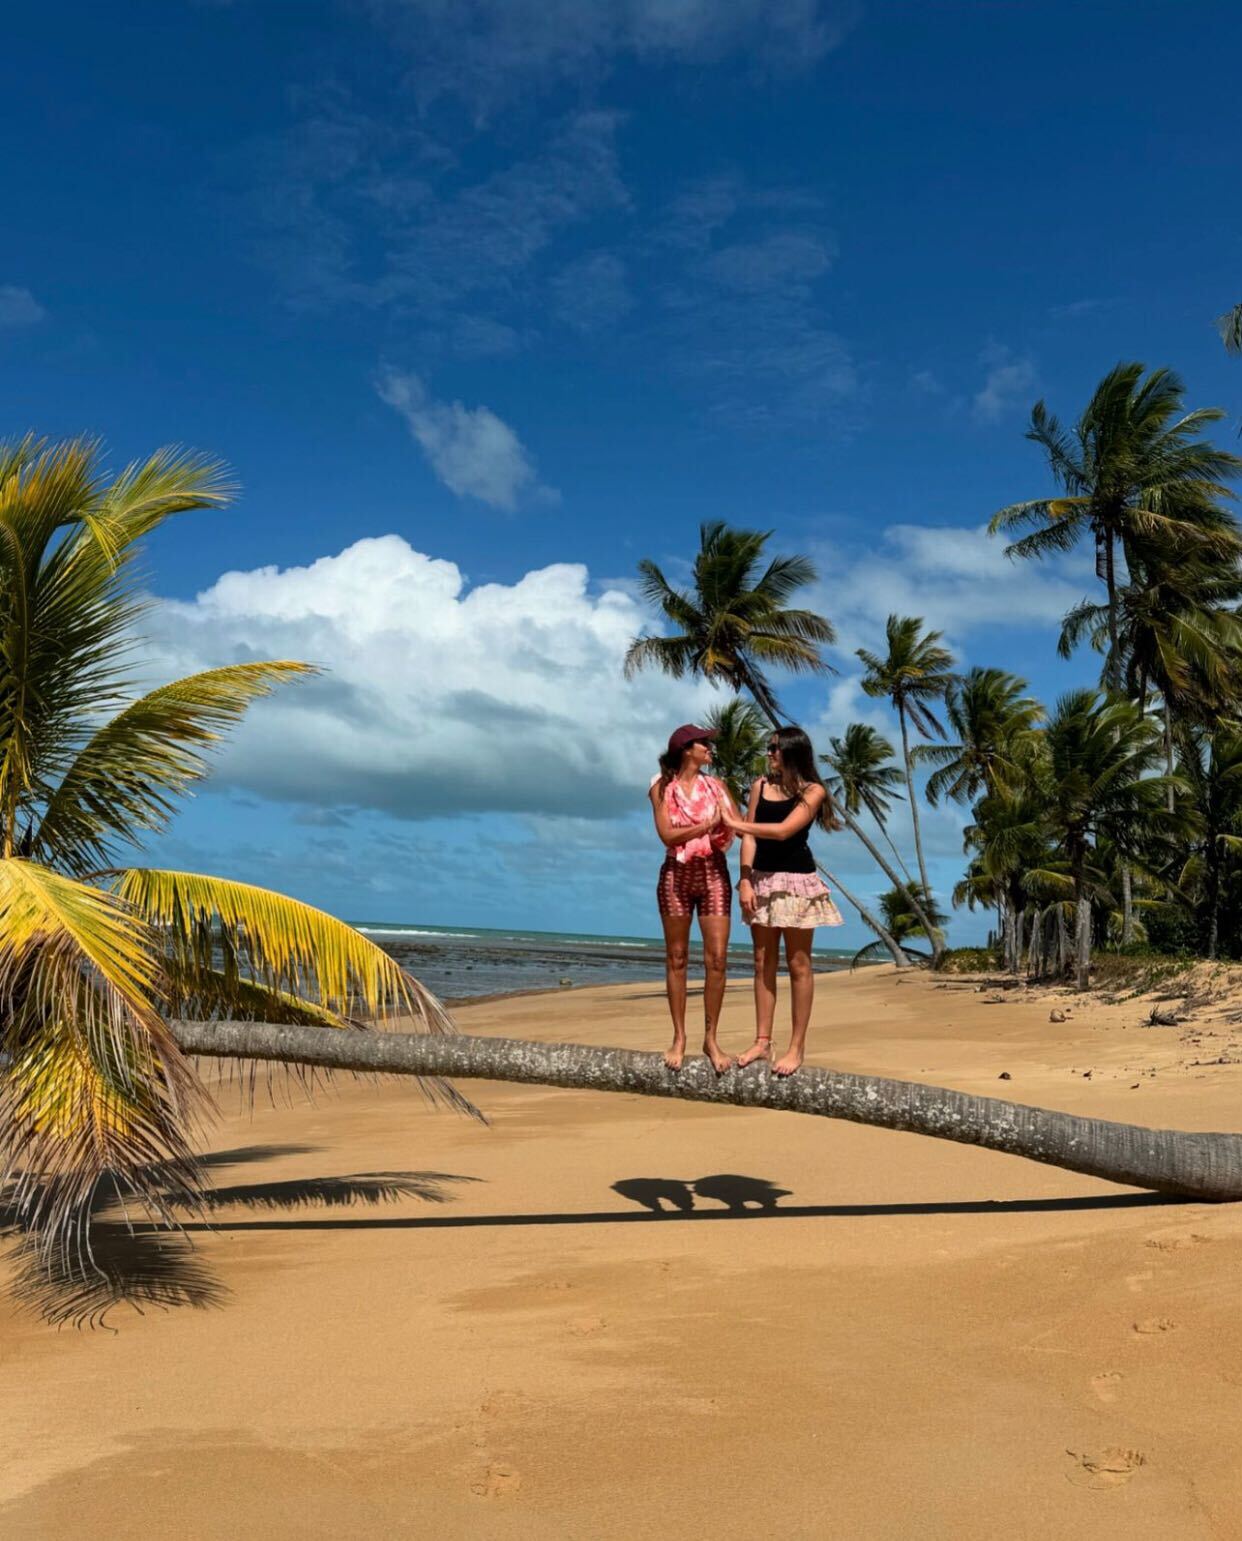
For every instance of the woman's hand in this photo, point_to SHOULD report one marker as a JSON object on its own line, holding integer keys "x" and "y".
{"x": 730, "y": 818}
{"x": 746, "y": 898}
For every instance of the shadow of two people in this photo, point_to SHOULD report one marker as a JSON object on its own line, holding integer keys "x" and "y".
{"x": 670, "y": 1195}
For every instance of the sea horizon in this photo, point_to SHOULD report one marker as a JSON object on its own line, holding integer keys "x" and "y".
{"x": 462, "y": 963}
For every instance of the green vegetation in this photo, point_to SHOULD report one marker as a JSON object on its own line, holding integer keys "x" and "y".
{"x": 1112, "y": 820}
{"x": 96, "y": 956}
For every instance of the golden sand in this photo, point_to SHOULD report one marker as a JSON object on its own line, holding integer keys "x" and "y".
{"x": 918, "y": 1340}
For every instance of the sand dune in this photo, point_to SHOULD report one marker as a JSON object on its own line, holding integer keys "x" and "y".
{"x": 610, "y": 1316}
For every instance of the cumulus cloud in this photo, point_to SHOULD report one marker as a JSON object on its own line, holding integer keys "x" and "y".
{"x": 18, "y": 307}
{"x": 1006, "y": 385}
{"x": 438, "y": 698}
{"x": 473, "y": 452}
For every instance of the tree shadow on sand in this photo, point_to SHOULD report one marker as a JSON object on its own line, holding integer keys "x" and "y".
{"x": 112, "y": 1262}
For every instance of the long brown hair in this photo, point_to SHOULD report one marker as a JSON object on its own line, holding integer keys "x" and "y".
{"x": 671, "y": 762}
{"x": 798, "y": 757}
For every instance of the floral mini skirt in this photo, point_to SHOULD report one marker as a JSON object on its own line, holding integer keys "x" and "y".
{"x": 793, "y": 901}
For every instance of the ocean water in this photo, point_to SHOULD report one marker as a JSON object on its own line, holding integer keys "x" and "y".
{"x": 460, "y": 963}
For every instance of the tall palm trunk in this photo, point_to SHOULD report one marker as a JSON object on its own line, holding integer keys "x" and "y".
{"x": 1110, "y": 580}
{"x": 1205, "y": 1166}
{"x": 1082, "y": 933}
{"x": 1170, "y": 800}
{"x": 914, "y": 807}
{"x": 766, "y": 703}
{"x": 1127, "y": 905}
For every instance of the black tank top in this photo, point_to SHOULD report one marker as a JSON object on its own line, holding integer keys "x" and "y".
{"x": 792, "y": 855}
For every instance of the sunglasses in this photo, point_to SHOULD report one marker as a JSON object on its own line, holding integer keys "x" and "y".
{"x": 773, "y": 749}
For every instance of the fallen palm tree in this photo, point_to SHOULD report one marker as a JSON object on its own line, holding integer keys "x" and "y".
{"x": 1204, "y": 1166}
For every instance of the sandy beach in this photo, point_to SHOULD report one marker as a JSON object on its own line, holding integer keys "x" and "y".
{"x": 897, "y": 1337}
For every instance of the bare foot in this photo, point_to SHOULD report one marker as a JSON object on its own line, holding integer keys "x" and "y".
{"x": 674, "y": 1056}
{"x": 760, "y": 1049}
{"x": 720, "y": 1060}
{"x": 788, "y": 1063}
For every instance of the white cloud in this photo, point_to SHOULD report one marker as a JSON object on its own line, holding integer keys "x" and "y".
{"x": 1006, "y": 384}
{"x": 473, "y": 452}
{"x": 957, "y": 578}
{"x": 18, "y": 307}
{"x": 438, "y": 698}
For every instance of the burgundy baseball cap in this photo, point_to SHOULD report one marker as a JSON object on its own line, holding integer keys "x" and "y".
{"x": 688, "y": 733}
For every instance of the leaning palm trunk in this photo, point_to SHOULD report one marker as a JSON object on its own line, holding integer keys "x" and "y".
{"x": 891, "y": 943}
{"x": 1206, "y": 1166}
{"x": 933, "y": 934}
{"x": 914, "y": 807}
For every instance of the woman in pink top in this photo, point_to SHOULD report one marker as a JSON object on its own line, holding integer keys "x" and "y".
{"x": 688, "y": 806}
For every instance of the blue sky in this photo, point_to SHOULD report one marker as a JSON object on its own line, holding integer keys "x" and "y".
{"x": 484, "y": 300}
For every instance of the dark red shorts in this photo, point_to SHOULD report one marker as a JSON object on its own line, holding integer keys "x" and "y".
{"x": 701, "y": 884}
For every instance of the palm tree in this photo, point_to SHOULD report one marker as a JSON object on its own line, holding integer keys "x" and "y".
{"x": 1015, "y": 863}
{"x": 1211, "y": 764}
{"x": 863, "y": 778}
{"x": 94, "y": 958}
{"x": 732, "y": 625}
{"x": 735, "y": 622}
{"x": 993, "y": 723}
{"x": 1204, "y": 1166}
{"x": 1230, "y": 328}
{"x": 915, "y": 672}
{"x": 1177, "y": 631}
{"x": 1099, "y": 760}
{"x": 738, "y": 753}
{"x": 1134, "y": 467}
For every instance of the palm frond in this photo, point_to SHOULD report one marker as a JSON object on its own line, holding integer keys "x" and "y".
{"x": 128, "y": 775}
{"x": 94, "y": 1087}
{"x": 283, "y": 944}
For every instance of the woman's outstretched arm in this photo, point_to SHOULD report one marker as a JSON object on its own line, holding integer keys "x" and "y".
{"x": 811, "y": 801}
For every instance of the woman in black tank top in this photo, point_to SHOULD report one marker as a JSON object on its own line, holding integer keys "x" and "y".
{"x": 781, "y": 893}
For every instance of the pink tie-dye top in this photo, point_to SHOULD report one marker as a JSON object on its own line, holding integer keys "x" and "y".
{"x": 695, "y": 807}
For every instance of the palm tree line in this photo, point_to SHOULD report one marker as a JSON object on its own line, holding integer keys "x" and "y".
{"x": 1112, "y": 818}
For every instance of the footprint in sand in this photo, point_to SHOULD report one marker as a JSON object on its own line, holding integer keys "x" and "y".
{"x": 1177, "y": 1243}
{"x": 498, "y": 1480}
{"x": 1108, "y": 1468}
{"x": 584, "y": 1326}
{"x": 1105, "y": 1385}
{"x": 1153, "y": 1326}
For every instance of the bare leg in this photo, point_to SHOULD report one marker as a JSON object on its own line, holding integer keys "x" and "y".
{"x": 802, "y": 993}
{"x": 767, "y": 942}
{"x": 676, "y": 959}
{"x": 715, "y": 932}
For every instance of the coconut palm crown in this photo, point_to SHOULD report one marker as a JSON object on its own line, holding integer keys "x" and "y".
{"x": 915, "y": 672}
{"x": 96, "y": 958}
{"x": 735, "y": 622}
{"x": 1134, "y": 467}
